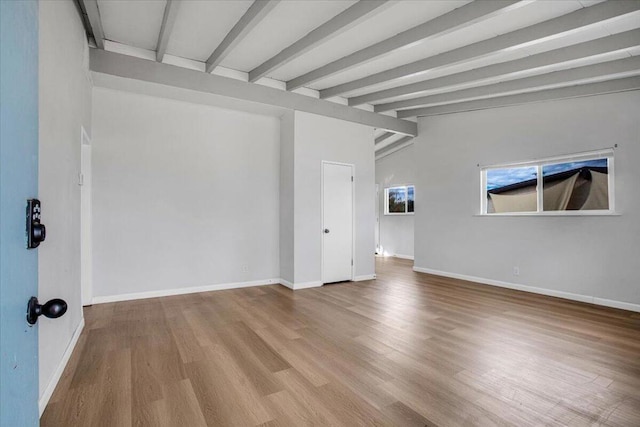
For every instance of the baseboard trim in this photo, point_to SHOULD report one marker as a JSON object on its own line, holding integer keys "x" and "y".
{"x": 286, "y": 284}
{"x": 404, "y": 256}
{"x": 48, "y": 391}
{"x": 298, "y": 286}
{"x": 306, "y": 285}
{"x": 616, "y": 304}
{"x": 532, "y": 289}
{"x": 182, "y": 291}
{"x": 317, "y": 284}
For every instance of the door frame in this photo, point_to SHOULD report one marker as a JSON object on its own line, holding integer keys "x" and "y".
{"x": 353, "y": 217}
{"x": 86, "y": 242}
{"x": 377, "y": 211}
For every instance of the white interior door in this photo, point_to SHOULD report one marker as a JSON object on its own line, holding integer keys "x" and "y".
{"x": 85, "y": 220}
{"x": 377, "y": 230}
{"x": 337, "y": 222}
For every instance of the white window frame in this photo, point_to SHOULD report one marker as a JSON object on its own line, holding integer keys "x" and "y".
{"x": 539, "y": 164}
{"x": 386, "y": 199}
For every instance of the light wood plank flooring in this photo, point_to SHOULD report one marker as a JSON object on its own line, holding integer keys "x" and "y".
{"x": 406, "y": 349}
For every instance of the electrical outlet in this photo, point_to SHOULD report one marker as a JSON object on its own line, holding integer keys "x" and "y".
{"x": 516, "y": 271}
{"x": 245, "y": 268}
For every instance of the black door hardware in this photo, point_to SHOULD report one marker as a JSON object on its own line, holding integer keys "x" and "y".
{"x": 36, "y": 232}
{"x": 52, "y": 309}
{"x": 326, "y": 231}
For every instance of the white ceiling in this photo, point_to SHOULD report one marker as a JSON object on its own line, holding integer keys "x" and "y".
{"x": 286, "y": 23}
{"x": 201, "y": 26}
{"x": 135, "y": 23}
{"x": 397, "y": 17}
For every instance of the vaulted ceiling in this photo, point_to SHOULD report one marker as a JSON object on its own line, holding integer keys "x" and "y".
{"x": 404, "y": 58}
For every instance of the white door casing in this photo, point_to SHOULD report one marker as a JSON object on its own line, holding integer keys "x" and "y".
{"x": 377, "y": 229}
{"x": 85, "y": 220}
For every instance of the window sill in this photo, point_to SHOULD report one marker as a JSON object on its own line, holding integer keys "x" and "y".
{"x": 399, "y": 214}
{"x": 543, "y": 214}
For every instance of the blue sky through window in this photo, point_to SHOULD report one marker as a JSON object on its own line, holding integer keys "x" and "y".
{"x": 563, "y": 167}
{"x": 497, "y": 178}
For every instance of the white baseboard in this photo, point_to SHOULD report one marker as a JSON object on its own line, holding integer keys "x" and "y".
{"x": 616, "y": 304}
{"x": 316, "y": 284}
{"x": 182, "y": 291}
{"x": 306, "y": 285}
{"x": 298, "y": 286}
{"x": 542, "y": 291}
{"x": 404, "y": 256}
{"x": 286, "y": 284}
{"x": 48, "y": 391}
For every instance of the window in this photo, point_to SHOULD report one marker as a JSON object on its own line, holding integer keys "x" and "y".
{"x": 577, "y": 184}
{"x": 399, "y": 200}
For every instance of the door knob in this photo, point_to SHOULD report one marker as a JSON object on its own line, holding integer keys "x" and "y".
{"x": 39, "y": 233}
{"x": 326, "y": 231}
{"x": 52, "y": 309}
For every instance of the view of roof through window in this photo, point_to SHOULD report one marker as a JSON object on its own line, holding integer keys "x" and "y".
{"x": 497, "y": 178}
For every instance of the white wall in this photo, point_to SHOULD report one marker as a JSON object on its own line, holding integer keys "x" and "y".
{"x": 320, "y": 138}
{"x": 595, "y": 257}
{"x": 65, "y": 106}
{"x": 396, "y": 231}
{"x": 184, "y": 195}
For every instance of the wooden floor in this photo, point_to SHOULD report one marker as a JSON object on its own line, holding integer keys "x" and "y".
{"x": 406, "y": 349}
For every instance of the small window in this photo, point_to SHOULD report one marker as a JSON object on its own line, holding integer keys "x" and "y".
{"x": 399, "y": 200}
{"x": 566, "y": 184}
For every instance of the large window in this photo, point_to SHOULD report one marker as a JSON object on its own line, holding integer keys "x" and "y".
{"x": 577, "y": 184}
{"x": 399, "y": 200}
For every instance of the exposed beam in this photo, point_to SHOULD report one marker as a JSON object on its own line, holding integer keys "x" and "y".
{"x": 256, "y": 12}
{"x": 388, "y": 143}
{"x": 141, "y": 71}
{"x": 578, "y": 51}
{"x": 461, "y": 17}
{"x": 339, "y": 23}
{"x": 91, "y": 7}
{"x": 79, "y": 4}
{"x": 384, "y": 136}
{"x": 572, "y": 76}
{"x": 392, "y": 149}
{"x": 610, "y": 86}
{"x": 169, "y": 18}
{"x": 532, "y": 34}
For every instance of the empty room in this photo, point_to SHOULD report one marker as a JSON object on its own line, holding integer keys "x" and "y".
{"x": 319, "y": 213}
